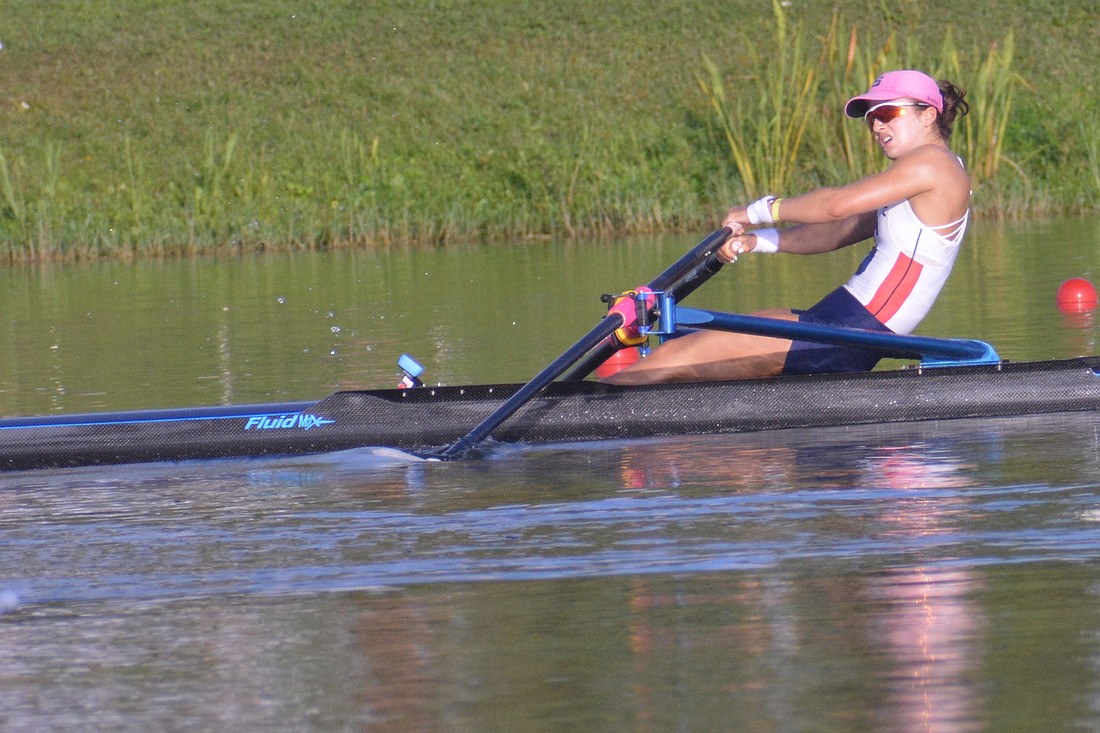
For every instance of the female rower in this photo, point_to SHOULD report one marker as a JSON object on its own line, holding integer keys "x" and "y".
{"x": 916, "y": 210}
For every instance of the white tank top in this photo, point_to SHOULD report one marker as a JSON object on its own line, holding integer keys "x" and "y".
{"x": 899, "y": 280}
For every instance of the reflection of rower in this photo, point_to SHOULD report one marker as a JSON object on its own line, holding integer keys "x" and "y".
{"x": 913, "y": 633}
{"x": 926, "y": 621}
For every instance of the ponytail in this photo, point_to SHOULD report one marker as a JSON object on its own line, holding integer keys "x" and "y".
{"x": 954, "y": 105}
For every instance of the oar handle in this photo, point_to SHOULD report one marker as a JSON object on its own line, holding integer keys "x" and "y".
{"x": 691, "y": 261}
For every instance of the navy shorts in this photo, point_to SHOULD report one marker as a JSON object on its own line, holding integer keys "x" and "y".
{"x": 838, "y": 308}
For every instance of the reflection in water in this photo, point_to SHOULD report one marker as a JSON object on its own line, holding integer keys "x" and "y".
{"x": 402, "y": 670}
{"x": 924, "y": 618}
{"x": 876, "y": 578}
{"x": 931, "y": 631}
{"x": 923, "y": 630}
{"x": 887, "y": 579}
{"x": 1079, "y": 333}
{"x": 293, "y": 326}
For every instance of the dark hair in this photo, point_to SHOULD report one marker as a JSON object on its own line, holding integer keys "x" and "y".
{"x": 954, "y": 105}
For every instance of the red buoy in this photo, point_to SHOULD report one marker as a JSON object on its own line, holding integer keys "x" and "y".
{"x": 1076, "y": 295}
{"x": 618, "y": 361}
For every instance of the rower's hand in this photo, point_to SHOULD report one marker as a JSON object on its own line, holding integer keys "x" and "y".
{"x": 736, "y": 245}
{"x": 737, "y": 218}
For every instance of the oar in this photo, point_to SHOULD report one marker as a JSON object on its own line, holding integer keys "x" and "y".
{"x": 610, "y": 323}
{"x": 891, "y": 344}
{"x": 679, "y": 289}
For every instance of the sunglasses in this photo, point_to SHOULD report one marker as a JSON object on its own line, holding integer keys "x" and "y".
{"x": 888, "y": 111}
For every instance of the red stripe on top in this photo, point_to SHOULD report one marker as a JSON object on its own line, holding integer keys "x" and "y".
{"x": 897, "y": 286}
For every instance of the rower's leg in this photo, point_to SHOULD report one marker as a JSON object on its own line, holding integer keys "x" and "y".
{"x": 711, "y": 356}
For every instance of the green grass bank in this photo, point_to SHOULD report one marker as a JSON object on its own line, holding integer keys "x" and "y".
{"x": 145, "y": 128}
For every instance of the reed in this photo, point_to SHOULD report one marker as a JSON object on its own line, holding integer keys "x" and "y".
{"x": 991, "y": 94}
{"x": 15, "y": 209}
{"x": 849, "y": 65}
{"x": 1090, "y": 133}
{"x": 764, "y": 125}
{"x": 30, "y": 218}
{"x": 766, "y": 141}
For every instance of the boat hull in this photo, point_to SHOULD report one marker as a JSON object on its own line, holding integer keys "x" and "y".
{"x": 426, "y": 418}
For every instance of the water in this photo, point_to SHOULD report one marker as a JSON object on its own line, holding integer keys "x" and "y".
{"x": 937, "y": 576}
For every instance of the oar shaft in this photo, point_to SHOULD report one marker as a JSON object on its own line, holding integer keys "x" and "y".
{"x": 680, "y": 286}
{"x": 694, "y": 279}
{"x": 605, "y": 328}
{"x": 889, "y": 343}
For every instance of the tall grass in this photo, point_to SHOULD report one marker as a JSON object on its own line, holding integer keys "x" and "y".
{"x": 765, "y": 116}
{"x": 14, "y": 210}
{"x": 991, "y": 94}
{"x": 29, "y": 215}
{"x": 276, "y": 125}
{"x": 798, "y": 94}
{"x": 1091, "y": 135}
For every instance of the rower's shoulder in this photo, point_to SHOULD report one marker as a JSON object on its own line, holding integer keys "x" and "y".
{"x": 936, "y": 154}
{"x": 934, "y": 160}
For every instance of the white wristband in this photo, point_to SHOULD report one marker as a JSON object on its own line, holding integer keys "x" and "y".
{"x": 760, "y": 211}
{"x": 767, "y": 241}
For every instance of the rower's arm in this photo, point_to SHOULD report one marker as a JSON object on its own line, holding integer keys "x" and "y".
{"x": 810, "y": 239}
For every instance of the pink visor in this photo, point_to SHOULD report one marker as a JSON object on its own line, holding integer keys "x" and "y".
{"x": 897, "y": 85}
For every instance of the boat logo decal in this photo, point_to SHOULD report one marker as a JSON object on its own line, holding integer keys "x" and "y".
{"x": 298, "y": 420}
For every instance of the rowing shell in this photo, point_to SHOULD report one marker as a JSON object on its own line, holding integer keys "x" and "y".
{"x": 421, "y": 419}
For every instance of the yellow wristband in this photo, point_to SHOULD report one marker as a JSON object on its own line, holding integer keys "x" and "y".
{"x": 775, "y": 209}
